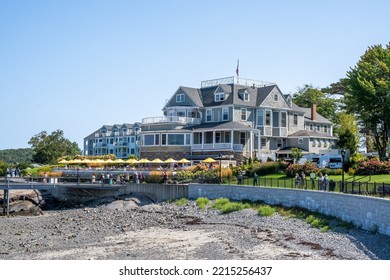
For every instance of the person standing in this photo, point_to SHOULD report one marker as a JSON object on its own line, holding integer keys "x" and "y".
{"x": 239, "y": 178}
{"x": 312, "y": 179}
{"x": 303, "y": 180}
{"x": 255, "y": 176}
{"x": 297, "y": 180}
{"x": 321, "y": 182}
{"x": 326, "y": 182}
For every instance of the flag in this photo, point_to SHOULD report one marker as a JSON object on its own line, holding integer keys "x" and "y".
{"x": 237, "y": 68}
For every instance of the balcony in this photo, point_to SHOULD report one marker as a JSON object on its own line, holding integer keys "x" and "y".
{"x": 171, "y": 119}
{"x": 218, "y": 147}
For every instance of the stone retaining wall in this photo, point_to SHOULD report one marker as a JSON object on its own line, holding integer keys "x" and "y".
{"x": 367, "y": 212}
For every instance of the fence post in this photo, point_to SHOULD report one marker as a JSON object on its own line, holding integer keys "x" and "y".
{"x": 359, "y": 188}
{"x": 271, "y": 182}
{"x": 285, "y": 182}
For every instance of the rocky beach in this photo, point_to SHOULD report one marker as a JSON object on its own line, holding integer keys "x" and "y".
{"x": 134, "y": 228}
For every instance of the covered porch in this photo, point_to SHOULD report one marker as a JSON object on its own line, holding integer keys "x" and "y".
{"x": 230, "y": 136}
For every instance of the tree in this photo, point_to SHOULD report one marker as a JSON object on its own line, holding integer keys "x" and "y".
{"x": 368, "y": 93}
{"x": 49, "y": 147}
{"x": 326, "y": 106}
{"x": 296, "y": 154}
{"x": 348, "y": 133}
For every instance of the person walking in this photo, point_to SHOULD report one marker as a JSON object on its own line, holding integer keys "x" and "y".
{"x": 239, "y": 178}
{"x": 320, "y": 182}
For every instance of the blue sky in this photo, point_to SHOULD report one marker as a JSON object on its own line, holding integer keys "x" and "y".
{"x": 77, "y": 65}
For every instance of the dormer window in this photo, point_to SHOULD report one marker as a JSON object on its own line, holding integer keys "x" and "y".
{"x": 276, "y": 97}
{"x": 180, "y": 98}
{"x": 245, "y": 96}
{"x": 220, "y": 96}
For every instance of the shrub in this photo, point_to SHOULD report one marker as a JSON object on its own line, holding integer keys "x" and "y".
{"x": 373, "y": 166}
{"x": 201, "y": 202}
{"x": 219, "y": 202}
{"x": 307, "y": 168}
{"x": 267, "y": 168}
{"x": 181, "y": 201}
{"x": 233, "y": 206}
{"x": 266, "y": 210}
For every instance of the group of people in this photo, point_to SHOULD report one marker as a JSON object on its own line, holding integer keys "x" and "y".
{"x": 323, "y": 180}
{"x": 13, "y": 172}
{"x": 110, "y": 179}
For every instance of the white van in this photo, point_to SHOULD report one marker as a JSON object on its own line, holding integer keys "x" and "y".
{"x": 328, "y": 161}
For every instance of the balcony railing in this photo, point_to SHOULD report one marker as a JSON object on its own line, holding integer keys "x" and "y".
{"x": 217, "y": 146}
{"x": 171, "y": 119}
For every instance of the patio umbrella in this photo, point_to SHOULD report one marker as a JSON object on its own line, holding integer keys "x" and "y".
{"x": 74, "y": 161}
{"x": 157, "y": 160}
{"x": 143, "y": 160}
{"x": 63, "y": 161}
{"x": 108, "y": 161}
{"x": 170, "y": 160}
{"x": 209, "y": 160}
{"x": 184, "y": 160}
{"x": 119, "y": 161}
{"x": 132, "y": 161}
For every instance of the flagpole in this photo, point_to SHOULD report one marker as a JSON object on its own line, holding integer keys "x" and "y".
{"x": 237, "y": 70}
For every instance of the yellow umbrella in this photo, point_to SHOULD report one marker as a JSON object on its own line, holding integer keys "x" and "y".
{"x": 170, "y": 160}
{"x": 119, "y": 160}
{"x": 143, "y": 160}
{"x": 184, "y": 160}
{"x": 132, "y": 161}
{"x": 86, "y": 161}
{"x": 108, "y": 161}
{"x": 157, "y": 160}
{"x": 74, "y": 161}
{"x": 209, "y": 160}
{"x": 63, "y": 161}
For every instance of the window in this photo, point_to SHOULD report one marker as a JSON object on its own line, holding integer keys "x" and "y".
{"x": 245, "y": 96}
{"x": 275, "y": 119}
{"x": 276, "y": 97}
{"x": 318, "y": 127}
{"x": 217, "y": 137}
{"x": 225, "y": 114}
{"x": 325, "y": 129}
{"x": 268, "y": 118}
{"x": 132, "y": 151}
{"x": 208, "y": 137}
{"x": 188, "y": 139}
{"x": 227, "y": 137}
{"x": 132, "y": 139}
{"x": 311, "y": 127}
{"x": 220, "y": 96}
{"x": 149, "y": 140}
{"x": 260, "y": 117}
{"x": 295, "y": 119}
{"x": 157, "y": 139}
{"x": 283, "y": 121}
{"x": 175, "y": 139}
{"x": 313, "y": 144}
{"x": 242, "y": 138}
{"x": 300, "y": 141}
{"x": 209, "y": 114}
{"x": 243, "y": 114}
{"x": 180, "y": 98}
{"x": 163, "y": 139}
{"x": 263, "y": 142}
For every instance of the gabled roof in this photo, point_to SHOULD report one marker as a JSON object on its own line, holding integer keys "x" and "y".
{"x": 193, "y": 93}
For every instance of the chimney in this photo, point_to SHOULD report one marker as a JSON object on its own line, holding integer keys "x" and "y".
{"x": 313, "y": 112}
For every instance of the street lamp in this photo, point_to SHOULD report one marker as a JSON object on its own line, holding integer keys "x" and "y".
{"x": 342, "y": 171}
{"x": 220, "y": 168}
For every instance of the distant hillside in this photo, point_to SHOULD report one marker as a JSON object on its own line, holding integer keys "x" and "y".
{"x": 16, "y": 155}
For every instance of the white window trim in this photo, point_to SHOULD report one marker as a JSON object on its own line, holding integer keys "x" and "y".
{"x": 211, "y": 115}
{"x": 227, "y": 111}
{"x": 180, "y": 98}
{"x": 246, "y": 114}
{"x": 219, "y": 94}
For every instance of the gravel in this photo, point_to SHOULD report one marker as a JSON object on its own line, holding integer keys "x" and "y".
{"x": 129, "y": 229}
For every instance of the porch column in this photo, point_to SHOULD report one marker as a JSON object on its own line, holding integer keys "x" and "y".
{"x": 258, "y": 145}
{"x": 202, "y": 139}
{"x": 231, "y": 139}
{"x": 251, "y": 143}
{"x": 213, "y": 138}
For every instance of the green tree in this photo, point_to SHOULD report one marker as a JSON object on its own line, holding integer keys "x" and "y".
{"x": 49, "y": 147}
{"x": 296, "y": 154}
{"x": 348, "y": 133}
{"x": 326, "y": 106}
{"x": 368, "y": 93}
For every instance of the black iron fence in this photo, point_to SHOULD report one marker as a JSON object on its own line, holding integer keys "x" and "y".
{"x": 351, "y": 187}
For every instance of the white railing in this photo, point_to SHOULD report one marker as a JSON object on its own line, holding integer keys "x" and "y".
{"x": 171, "y": 119}
{"x": 216, "y": 146}
{"x": 234, "y": 80}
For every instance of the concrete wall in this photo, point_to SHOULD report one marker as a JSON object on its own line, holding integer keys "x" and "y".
{"x": 362, "y": 211}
